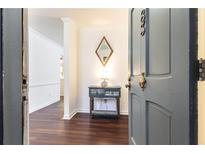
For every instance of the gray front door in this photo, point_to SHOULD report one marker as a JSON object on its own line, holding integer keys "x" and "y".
{"x": 12, "y": 47}
{"x": 160, "y": 82}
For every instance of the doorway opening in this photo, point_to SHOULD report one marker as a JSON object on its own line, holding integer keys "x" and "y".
{"x": 13, "y": 109}
{"x": 63, "y": 64}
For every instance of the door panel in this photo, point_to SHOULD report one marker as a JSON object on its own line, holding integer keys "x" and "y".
{"x": 159, "y": 123}
{"x": 160, "y": 112}
{"x": 136, "y": 119}
{"x": 138, "y": 45}
{"x": 158, "y": 42}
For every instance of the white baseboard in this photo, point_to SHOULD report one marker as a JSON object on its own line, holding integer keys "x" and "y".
{"x": 88, "y": 111}
{"x": 41, "y": 106}
{"x": 83, "y": 111}
{"x": 68, "y": 117}
{"x": 124, "y": 113}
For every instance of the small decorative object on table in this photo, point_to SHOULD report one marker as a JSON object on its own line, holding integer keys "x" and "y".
{"x": 104, "y": 83}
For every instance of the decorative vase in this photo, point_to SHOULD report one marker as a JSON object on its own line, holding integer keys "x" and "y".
{"x": 104, "y": 83}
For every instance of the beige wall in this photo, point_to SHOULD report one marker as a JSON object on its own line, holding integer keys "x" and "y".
{"x": 201, "y": 85}
{"x": 90, "y": 68}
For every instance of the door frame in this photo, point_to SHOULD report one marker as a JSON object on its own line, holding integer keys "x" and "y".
{"x": 193, "y": 76}
{"x": 193, "y": 73}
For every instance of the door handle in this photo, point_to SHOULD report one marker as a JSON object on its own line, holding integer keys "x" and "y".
{"x": 129, "y": 83}
{"x": 142, "y": 81}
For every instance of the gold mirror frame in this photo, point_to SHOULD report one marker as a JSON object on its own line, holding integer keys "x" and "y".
{"x": 104, "y": 62}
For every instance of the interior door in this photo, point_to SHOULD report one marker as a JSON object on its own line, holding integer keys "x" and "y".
{"x": 162, "y": 87}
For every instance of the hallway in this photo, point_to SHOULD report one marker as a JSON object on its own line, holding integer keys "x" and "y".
{"x": 47, "y": 127}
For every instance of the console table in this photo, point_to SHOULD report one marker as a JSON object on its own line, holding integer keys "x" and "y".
{"x": 103, "y": 93}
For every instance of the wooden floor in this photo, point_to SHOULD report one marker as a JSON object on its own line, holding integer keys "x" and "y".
{"x": 47, "y": 127}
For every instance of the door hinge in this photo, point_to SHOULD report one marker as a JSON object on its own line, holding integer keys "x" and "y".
{"x": 24, "y": 89}
{"x": 201, "y": 69}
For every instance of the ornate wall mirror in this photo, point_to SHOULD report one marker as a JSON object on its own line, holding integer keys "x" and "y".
{"x": 104, "y": 51}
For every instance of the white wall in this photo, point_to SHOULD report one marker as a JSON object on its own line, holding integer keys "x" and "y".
{"x": 90, "y": 67}
{"x": 50, "y": 27}
{"x": 44, "y": 70}
{"x": 70, "y": 68}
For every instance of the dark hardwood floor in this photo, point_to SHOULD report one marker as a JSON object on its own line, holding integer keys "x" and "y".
{"x": 47, "y": 127}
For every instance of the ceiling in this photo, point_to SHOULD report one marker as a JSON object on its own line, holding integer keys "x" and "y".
{"x": 48, "y": 21}
{"x": 85, "y": 16}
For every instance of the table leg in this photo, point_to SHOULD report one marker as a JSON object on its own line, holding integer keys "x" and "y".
{"x": 91, "y": 105}
{"x": 118, "y": 108}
